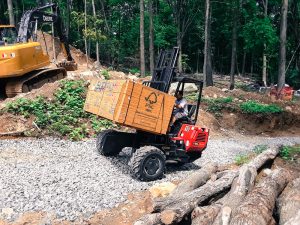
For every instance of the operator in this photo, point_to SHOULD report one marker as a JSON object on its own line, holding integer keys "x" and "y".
{"x": 181, "y": 109}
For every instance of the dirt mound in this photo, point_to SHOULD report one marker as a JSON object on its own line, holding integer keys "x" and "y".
{"x": 13, "y": 125}
{"x": 46, "y": 41}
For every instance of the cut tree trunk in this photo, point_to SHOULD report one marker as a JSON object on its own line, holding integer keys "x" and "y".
{"x": 289, "y": 203}
{"x": 149, "y": 219}
{"x": 217, "y": 213}
{"x": 174, "y": 212}
{"x": 257, "y": 207}
{"x": 196, "y": 180}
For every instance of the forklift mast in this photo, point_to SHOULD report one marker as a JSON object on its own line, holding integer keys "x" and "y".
{"x": 164, "y": 71}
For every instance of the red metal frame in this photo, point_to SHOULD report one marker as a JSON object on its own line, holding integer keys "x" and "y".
{"x": 194, "y": 137}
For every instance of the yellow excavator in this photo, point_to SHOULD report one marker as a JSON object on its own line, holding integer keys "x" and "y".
{"x": 23, "y": 64}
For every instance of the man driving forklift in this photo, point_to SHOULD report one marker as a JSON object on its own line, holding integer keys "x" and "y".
{"x": 181, "y": 109}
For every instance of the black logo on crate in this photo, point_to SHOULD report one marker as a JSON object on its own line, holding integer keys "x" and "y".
{"x": 150, "y": 100}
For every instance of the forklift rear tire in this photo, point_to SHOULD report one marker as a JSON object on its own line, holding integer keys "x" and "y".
{"x": 105, "y": 148}
{"x": 147, "y": 163}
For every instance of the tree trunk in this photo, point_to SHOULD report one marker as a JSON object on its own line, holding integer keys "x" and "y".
{"x": 97, "y": 43}
{"x": 289, "y": 203}
{"x": 179, "y": 44}
{"x": 11, "y": 12}
{"x": 151, "y": 37}
{"x": 234, "y": 48}
{"x": 264, "y": 75}
{"x": 207, "y": 67}
{"x": 282, "y": 52}
{"x": 244, "y": 63}
{"x": 177, "y": 210}
{"x": 142, "y": 39}
{"x": 257, "y": 207}
{"x": 195, "y": 180}
{"x": 149, "y": 219}
{"x": 220, "y": 212}
{"x": 85, "y": 38}
{"x": 53, "y": 39}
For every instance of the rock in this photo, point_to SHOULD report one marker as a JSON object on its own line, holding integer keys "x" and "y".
{"x": 288, "y": 108}
{"x": 225, "y": 90}
{"x": 132, "y": 77}
{"x": 88, "y": 73}
{"x": 162, "y": 190}
{"x": 215, "y": 96}
{"x": 188, "y": 88}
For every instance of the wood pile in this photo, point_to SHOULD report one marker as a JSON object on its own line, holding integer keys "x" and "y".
{"x": 218, "y": 196}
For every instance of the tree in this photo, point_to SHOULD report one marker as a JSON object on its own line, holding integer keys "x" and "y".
{"x": 151, "y": 37}
{"x": 142, "y": 38}
{"x": 234, "y": 45}
{"x": 97, "y": 43}
{"x": 184, "y": 13}
{"x": 282, "y": 52}
{"x": 85, "y": 36}
{"x": 11, "y": 12}
{"x": 207, "y": 68}
{"x": 264, "y": 74}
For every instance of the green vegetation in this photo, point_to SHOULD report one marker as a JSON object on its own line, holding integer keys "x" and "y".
{"x": 218, "y": 104}
{"x": 260, "y": 148}
{"x": 253, "y": 107}
{"x": 242, "y": 159}
{"x": 64, "y": 115}
{"x": 290, "y": 152}
{"x": 106, "y": 74}
{"x": 245, "y": 158}
{"x": 134, "y": 71}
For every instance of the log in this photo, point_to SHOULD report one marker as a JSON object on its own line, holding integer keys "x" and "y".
{"x": 295, "y": 220}
{"x": 174, "y": 212}
{"x": 149, "y": 219}
{"x": 262, "y": 158}
{"x": 205, "y": 215}
{"x": 161, "y": 203}
{"x": 258, "y": 205}
{"x": 288, "y": 203}
{"x": 195, "y": 180}
{"x": 240, "y": 187}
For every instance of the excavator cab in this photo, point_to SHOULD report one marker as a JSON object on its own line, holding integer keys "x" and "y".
{"x": 8, "y": 35}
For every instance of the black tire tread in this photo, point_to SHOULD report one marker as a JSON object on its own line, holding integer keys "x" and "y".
{"x": 99, "y": 142}
{"x": 137, "y": 158}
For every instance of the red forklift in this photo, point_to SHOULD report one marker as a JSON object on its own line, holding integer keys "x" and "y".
{"x": 183, "y": 143}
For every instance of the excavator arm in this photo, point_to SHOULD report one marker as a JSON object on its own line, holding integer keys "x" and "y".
{"x": 31, "y": 19}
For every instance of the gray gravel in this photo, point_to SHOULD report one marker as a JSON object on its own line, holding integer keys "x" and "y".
{"x": 70, "y": 180}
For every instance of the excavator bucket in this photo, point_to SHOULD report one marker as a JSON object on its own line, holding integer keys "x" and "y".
{"x": 68, "y": 65}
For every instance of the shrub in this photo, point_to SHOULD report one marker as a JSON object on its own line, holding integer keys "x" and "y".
{"x": 242, "y": 159}
{"x": 290, "y": 152}
{"x": 218, "y": 104}
{"x": 253, "y": 107}
{"x": 64, "y": 115}
{"x": 106, "y": 74}
{"x": 134, "y": 71}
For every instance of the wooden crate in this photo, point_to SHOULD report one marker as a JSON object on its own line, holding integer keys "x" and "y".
{"x": 133, "y": 105}
{"x": 102, "y": 97}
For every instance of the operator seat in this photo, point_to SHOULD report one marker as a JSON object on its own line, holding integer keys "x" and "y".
{"x": 184, "y": 120}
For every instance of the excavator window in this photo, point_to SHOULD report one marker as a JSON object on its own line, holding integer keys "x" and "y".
{"x": 8, "y": 35}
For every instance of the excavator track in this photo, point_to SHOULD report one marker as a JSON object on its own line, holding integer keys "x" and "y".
{"x": 33, "y": 80}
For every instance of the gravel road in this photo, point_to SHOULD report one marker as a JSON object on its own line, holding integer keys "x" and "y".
{"x": 70, "y": 180}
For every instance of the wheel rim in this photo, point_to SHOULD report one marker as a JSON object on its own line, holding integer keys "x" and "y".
{"x": 152, "y": 166}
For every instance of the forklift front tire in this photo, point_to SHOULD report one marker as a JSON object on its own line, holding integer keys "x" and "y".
{"x": 147, "y": 163}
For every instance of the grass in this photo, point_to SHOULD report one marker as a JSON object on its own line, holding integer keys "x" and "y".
{"x": 290, "y": 153}
{"x": 253, "y": 107}
{"x": 64, "y": 115}
{"x": 245, "y": 158}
